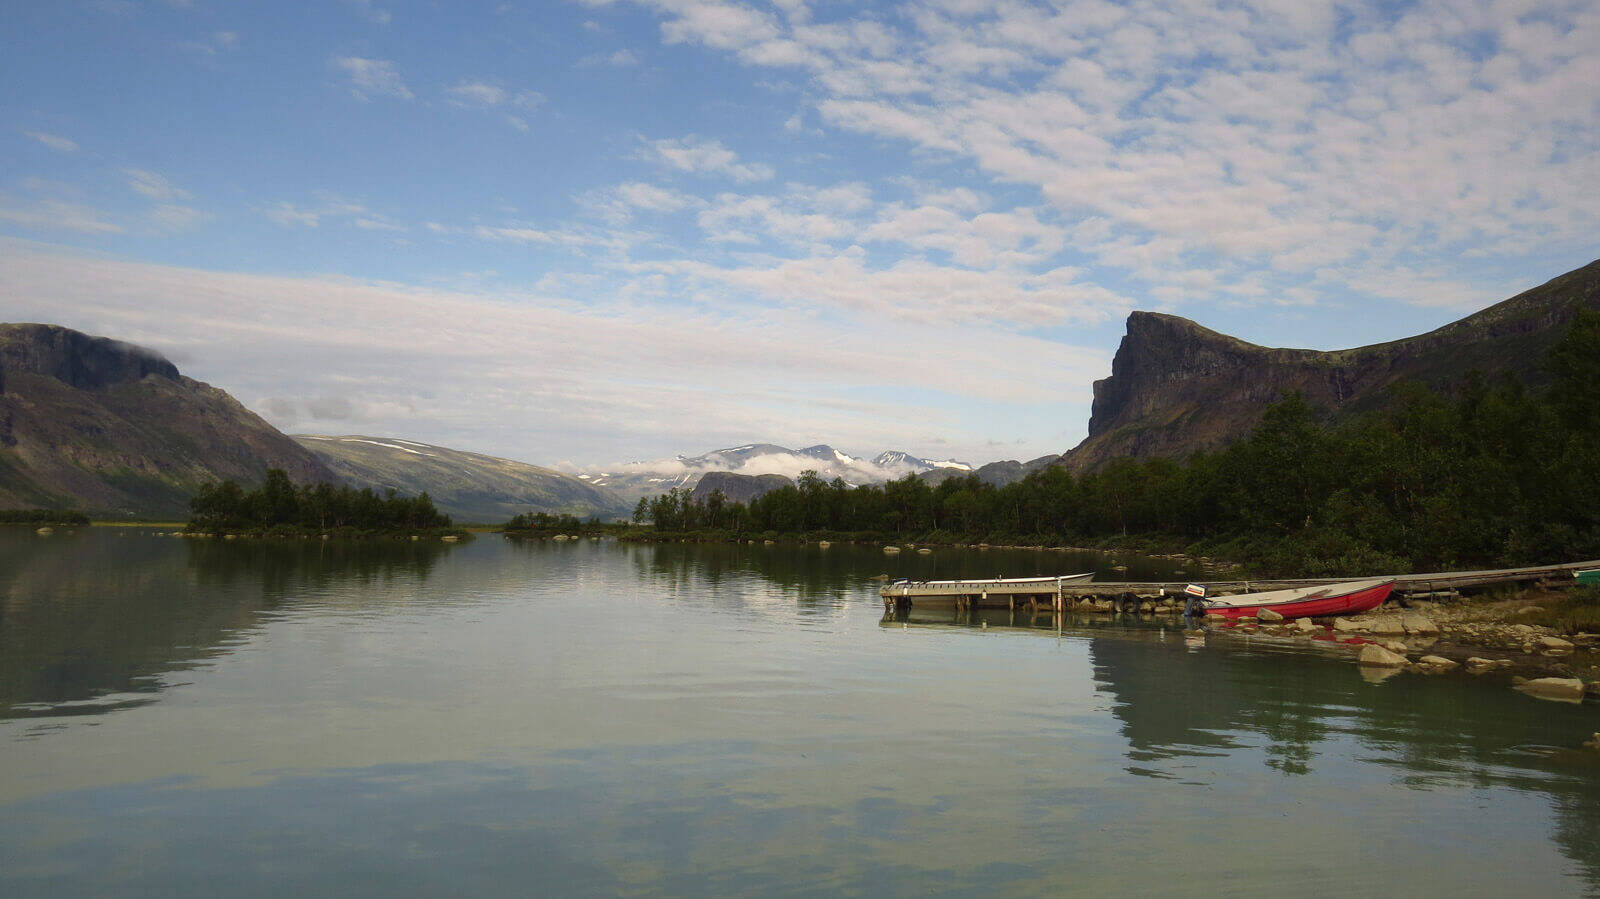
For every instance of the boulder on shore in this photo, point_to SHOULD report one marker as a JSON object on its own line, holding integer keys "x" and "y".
{"x": 1554, "y": 645}
{"x": 1267, "y": 615}
{"x": 1303, "y": 625}
{"x": 1375, "y": 656}
{"x": 1388, "y": 627}
{"x": 1417, "y": 624}
{"x": 1346, "y": 626}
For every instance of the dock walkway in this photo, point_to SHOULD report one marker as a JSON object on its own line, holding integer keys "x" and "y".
{"x": 1053, "y": 593}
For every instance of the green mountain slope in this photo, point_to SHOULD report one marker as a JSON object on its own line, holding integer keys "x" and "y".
{"x": 468, "y": 487}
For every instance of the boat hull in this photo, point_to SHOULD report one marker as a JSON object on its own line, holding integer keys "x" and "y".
{"x": 1309, "y": 602}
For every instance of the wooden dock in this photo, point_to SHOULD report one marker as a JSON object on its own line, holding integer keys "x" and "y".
{"x": 1056, "y": 593}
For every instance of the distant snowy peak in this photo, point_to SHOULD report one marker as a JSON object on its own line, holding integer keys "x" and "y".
{"x": 639, "y": 479}
{"x": 898, "y": 459}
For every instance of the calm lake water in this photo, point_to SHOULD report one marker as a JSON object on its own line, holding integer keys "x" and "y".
{"x": 534, "y": 718}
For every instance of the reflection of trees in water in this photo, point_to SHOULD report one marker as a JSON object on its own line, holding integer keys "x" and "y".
{"x": 95, "y": 618}
{"x": 1432, "y": 731}
{"x": 289, "y": 565}
{"x": 810, "y": 573}
{"x": 816, "y": 575}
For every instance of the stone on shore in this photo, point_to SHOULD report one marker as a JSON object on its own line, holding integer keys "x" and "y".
{"x": 1388, "y": 627}
{"x": 1268, "y": 615}
{"x": 1303, "y": 625}
{"x": 1553, "y": 645}
{"x": 1375, "y": 656}
{"x": 1346, "y": 626}
{"x": 1566, "y": 689}
{"x": 1417, "y": 624}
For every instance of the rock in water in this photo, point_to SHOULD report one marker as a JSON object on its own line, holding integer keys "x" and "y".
{"x": 1439, "y": 662}
{"x": 1375, "y": 656}
{"x": 1303, "y": 625}
{"x": 1267, "y": 615}
{"x": 1566, "y": 689}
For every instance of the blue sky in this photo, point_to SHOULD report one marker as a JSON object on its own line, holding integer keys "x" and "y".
{"x": 595, "y": 231}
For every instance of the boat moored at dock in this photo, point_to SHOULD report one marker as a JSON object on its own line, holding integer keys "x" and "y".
{"x": 1323, "y": 601}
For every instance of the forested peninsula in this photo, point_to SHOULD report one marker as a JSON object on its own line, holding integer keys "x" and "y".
{"x": 279, "y": 507}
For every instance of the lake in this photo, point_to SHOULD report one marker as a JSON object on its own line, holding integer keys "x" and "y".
{"x": 207, "y": 717}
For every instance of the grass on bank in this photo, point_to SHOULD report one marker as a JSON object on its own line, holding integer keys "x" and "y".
{"x": 1573, "y": 611}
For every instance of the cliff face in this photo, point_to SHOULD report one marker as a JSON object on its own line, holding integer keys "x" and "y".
{"x": 1176, "y": 387}
{"x": 106, "y": 427}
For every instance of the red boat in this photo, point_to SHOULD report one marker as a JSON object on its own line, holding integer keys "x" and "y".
{"x": 1350, "y": 598}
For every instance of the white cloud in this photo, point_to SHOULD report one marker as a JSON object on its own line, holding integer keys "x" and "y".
{"x": 619, "y": 58}
{"x": 477, "y": 93}
{"x": 372, "y": 78}
{"x": 1262, "y": 141}
{"x": 57, "y": 215}
{"x": 328, "y": 205}
{"x": 53, "y": 141}
{"x": 542, "y": 378}
{"x": 703, "y": 156}
{"x": 153, "y": 185}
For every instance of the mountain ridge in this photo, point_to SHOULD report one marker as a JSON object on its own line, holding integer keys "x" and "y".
{"x": 98, "y": 425}
{"x": 467, "y": 486}
{"x": 1177, "y": 387}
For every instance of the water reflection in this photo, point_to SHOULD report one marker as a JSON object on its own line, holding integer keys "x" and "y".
{"x": 91, "y": 620}
{"x": 1300, "y": 712}
{"x": 594, "y": 718}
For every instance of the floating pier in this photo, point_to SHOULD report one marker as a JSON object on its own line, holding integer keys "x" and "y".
{"x": 1038, "y": 594}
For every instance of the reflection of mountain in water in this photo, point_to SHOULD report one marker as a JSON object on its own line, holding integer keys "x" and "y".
{"x": 90, "y": 620}
{"x": 1447, "y": 731}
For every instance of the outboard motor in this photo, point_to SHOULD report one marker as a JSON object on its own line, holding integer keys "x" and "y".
{"x": 1194, "y": 605}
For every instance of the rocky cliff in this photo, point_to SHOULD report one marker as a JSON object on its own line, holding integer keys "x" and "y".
{"x": 109, "y": 428}
{"x": 1176, "y": 387}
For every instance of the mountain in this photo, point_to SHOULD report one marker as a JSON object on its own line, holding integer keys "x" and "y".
{"x": 110, "y": 428}
{"x": 740, "y": 488}
{"x": 894, "y": 459}
{"x": 633, "y": 480}
{"x": 1176, "y": 387}
{"x": 466, "y": 486}
{"x": 1000, "y": 474}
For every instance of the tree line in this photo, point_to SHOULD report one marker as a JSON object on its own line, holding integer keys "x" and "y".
{"x": 546, "y": 523}
{"x": 279, "y": 505}
{"x": 1495, "y": 475}
{"x": 42, "y": 516}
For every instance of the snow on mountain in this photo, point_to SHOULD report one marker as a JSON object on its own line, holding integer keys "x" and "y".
{"x": 639, "y": 479}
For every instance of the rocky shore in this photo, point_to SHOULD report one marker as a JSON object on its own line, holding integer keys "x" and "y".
{"x": 1475, "y": 637}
